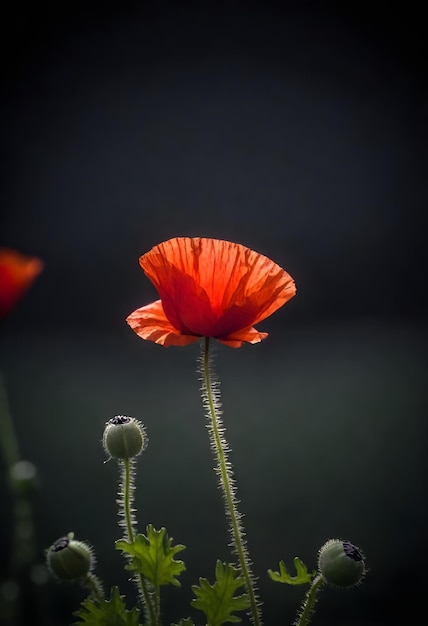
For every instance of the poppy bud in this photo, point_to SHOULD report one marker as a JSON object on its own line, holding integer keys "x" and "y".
{"x": 69, "y": 559}
{"x": 340, "y": 563}
{"x": 124, "y": 437}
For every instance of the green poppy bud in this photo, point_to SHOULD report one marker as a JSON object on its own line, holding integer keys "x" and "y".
{"x": 340, "y": 563}
{"x": 124, "y": 437}
{"x": 69, "y": 559}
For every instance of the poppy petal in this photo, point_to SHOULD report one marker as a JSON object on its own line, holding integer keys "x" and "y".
{"x": 150, "y": 322}
{"x": 247, "y": 335}
{"x": 17, "y": 272}
{"x": 212, "y": 287}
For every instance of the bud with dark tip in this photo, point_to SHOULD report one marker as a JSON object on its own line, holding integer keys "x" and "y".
{"x": 69, "y": 559}
{"x": 340, "y": 563}
{"x": 124, "y": 437}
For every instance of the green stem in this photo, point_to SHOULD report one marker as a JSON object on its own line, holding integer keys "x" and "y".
{"x": 9, "y": 447}
{"x": 127, "y": 500}
{"x": 157, "y": 603}
{"x": 309, "y": 602}
{"x": 94, "y": 584}
{"x": 24, "y": 548}
{"x": 211, "y": 401}
{"x": 153, "y": 616}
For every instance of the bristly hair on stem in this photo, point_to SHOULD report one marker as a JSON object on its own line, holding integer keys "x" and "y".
{"x": 210, "y": 391}
{"x": 308, "y": 606}
{"x": 94, "y": 584}
{"x": 127, "y": 521}
{"x": 125, "y": 498}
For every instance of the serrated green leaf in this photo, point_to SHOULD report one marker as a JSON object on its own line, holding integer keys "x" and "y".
{"x": 184, "y": 622}
{"x": 218, "y": 601}
{"x": 152, "y": 556}
{"x": 113, "y": 612}
{"x": 283, "y": 576}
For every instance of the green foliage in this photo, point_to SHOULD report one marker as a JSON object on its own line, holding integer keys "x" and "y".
{"x": 100, "y": 612}
{"x": 184, "y": 622}
{"x": 152, "y": 556}
{"x": 302, "y": 575}
{"x": 218, "y": 601}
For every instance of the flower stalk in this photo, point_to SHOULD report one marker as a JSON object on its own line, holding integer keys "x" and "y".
{"x": 309, "y": 602}
{"x": 212, "y": 404}
{"x": 125, "y": 501}
{"x": 95, "y": 586}
{"x": 22, "y": 480}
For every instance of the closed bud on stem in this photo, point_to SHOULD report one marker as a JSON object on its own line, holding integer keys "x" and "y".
{"x": 124, "y": 437}
{"x": 69, "y": 559}
{"x": 341, "y": 564}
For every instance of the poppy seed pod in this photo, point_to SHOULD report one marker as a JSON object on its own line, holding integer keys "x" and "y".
{"x": 340, "y": 563}
{"x": 124, "y": 437}
{"x": 69, "y": 559}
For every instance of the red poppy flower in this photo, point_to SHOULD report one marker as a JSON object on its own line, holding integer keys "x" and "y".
{"x": 209, "y": 288}
{"x": 17, "y": 272}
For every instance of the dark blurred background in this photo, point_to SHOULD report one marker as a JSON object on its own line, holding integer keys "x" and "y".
{"x": 298, "y": 129}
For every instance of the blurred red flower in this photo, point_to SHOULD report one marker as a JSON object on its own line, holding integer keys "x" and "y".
{"x": 209, "y": 288}
{"x": 17, "y": 272}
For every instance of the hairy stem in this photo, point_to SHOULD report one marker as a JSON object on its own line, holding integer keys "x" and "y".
{"x": 125, "y": 500}
{"x": 211, "y": 401}
{"x": 309, "y": 602}
{"x": 94, "y": 584}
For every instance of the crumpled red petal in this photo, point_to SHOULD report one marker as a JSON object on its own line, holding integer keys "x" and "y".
{"x": 247, "y": 335}
{"x": 209, "y": 288}
{"x": 150, "y": 322}
{"x": 213, "y": 287}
